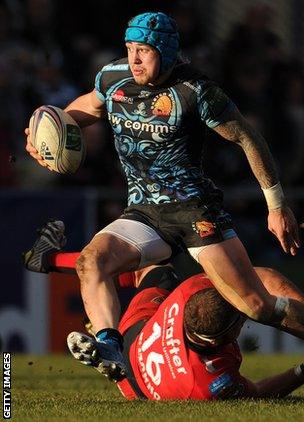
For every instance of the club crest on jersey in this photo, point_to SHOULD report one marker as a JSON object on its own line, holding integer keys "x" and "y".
{"x": 119, "y": 96}
{"x": 203, "y": 228}
{"x": 162, "y": 104}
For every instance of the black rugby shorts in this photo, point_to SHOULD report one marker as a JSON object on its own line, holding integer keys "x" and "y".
{"x": 184, "y": 224}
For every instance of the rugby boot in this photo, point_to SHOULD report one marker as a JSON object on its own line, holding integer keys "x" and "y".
{"x": 50, "y": 239}
{"x": 101, "y": 355}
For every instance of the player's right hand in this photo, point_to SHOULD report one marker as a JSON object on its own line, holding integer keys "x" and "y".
{"x": 282, "y": 223}
{"x": 32, "y": 150}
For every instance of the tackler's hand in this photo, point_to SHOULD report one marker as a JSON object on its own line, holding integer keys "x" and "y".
{"x": 282, "y": 223}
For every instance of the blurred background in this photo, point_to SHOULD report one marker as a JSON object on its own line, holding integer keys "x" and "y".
{"x": 51, "y": 51}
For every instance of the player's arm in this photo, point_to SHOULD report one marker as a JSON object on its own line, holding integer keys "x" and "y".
{"x": 238, "y": 130}
{"x": 279, "y": 285}
{"x": 281, "y": 220}
{"x": 233, "y": 385}
{"x": 85, "y": 110}
{"x": 277, "y": 386}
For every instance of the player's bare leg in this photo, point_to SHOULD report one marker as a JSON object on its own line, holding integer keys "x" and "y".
{"x": 105, "y": 257}
{"x": 100, "y": 262}
{"x": 228, "y": 266}
{"x": 122, "y": 246}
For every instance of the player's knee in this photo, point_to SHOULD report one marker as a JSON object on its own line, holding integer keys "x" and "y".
{"x": 92, "y": 260}
{"x": 267, "y": 273}
{"x": 84, "y": 262}
{"x": 79, "y": 265}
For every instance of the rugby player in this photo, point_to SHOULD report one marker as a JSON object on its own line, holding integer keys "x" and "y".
{"x": 158, "y": 107}
{"x": 183, "y": 345}
{"x": 199, "y": 337}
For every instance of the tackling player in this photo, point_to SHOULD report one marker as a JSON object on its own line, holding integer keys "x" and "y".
{"x": 183, "y": 346}
{"x": 176, "y": 346}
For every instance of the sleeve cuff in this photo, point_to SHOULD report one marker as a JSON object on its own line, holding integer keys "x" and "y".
{"x": 222, "y": 118}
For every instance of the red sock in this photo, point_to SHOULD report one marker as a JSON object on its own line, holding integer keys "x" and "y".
{"x": 64, "y": 262}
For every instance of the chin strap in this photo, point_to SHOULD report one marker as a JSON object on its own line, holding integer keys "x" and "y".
{"x": 211, "y": 338}
{"x": 200, "y": 349}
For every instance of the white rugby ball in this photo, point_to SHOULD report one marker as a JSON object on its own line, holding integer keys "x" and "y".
{"x": 57, "y": 138}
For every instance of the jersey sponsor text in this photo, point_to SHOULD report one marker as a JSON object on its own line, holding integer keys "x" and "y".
{"x": 141, "y": 126}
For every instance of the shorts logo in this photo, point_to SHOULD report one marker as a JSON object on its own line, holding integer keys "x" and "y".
{"x": 162, "y": 105}
{"x": 203, "y": 228}
{"x": 119, "y": 96}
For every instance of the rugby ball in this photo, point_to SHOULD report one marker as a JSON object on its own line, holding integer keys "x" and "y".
{"x": 57, "y": 138}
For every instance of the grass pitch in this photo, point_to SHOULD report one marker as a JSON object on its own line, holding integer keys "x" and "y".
{"x": 51, "y": 388}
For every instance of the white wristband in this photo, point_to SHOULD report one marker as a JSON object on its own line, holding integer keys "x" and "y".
{"x": 274, "y": 196}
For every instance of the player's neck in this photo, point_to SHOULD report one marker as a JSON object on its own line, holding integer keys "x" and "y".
{"x": 162, "y": 78}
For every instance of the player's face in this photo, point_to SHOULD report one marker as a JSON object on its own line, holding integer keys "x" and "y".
{"x": 144, "y": 62}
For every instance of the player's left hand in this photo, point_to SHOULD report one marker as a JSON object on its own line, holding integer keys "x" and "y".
{"x": 33, "y": 152}
{"x": 282, "y": 223}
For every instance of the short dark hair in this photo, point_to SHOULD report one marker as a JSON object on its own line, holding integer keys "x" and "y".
{"x": 207, "y": 312}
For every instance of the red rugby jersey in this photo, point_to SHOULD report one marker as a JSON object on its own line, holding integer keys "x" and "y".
{"x": 163, "y": 365}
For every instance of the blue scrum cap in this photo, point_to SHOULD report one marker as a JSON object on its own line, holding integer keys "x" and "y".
{"x": 158, "y": 30}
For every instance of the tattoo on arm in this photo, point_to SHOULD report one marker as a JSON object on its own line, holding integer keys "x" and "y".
{"x": 255, "y": 147}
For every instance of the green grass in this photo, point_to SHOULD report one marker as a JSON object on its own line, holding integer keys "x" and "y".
{"x": 51, "y": 388}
